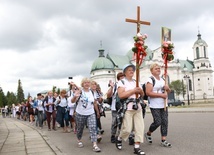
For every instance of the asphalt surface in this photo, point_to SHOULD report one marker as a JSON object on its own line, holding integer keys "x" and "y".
{"x": 191, "y": 130}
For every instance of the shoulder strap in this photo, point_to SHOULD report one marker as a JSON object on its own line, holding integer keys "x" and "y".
{"x": 153, "y": 80}
{"x": 123, "y": 81}
{"x": 115, "y": 88}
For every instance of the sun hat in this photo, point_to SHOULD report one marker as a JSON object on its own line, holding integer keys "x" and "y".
{"x": 128, "y": 65}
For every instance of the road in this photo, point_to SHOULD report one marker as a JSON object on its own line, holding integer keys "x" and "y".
{"x": 190, "y": 132}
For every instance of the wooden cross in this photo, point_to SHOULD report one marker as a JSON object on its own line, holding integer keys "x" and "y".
{"x": 138, "y": 21}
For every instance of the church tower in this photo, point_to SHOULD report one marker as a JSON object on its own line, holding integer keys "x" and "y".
{"x": 202, "y": 70}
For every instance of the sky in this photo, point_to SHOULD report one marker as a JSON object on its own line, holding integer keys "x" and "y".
{"x": 43, "y": 42}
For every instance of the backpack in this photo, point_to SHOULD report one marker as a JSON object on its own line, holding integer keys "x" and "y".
{"x": 145, "y": 97}
{"x": 109, "y": 100}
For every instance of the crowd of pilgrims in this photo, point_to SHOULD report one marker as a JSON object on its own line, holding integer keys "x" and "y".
{"x": 82, "y": 106}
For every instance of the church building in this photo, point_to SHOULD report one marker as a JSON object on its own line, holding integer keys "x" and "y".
{"x": 197, "y": 74}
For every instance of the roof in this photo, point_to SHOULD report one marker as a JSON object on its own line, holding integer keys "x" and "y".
{"x": 186, "y": 64}
{"x": 102, "y": 63}
{"x": 200, "y": 41}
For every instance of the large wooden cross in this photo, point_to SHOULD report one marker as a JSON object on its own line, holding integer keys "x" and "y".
{"x": 138, "y": 22}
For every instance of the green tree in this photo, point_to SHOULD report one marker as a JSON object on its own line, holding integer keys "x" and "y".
{"x": 177, "y": 86}
{"x": 3, "y": 99}
{"x": 58, "y": 91}
{"x": 11, "y": 98}
{"x": 20, "y": 93}
{"x": 54, "y": 89}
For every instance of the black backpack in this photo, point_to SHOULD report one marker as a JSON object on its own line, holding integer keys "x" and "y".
{"x": 145, "y": 97}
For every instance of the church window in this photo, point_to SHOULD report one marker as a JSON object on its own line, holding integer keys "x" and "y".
{"x": 208, "y": 79}
{"x": 197, "y": 67}
{"x": 205, "y": 52}
{"x": 109, "y": 71}
{"x": 198, "y": 79}
{"x": 197, "y": 52}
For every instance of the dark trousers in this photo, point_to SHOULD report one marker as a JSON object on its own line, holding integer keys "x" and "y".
{"x": 48, "y": 115}
{"x": 160, "y": 118}
{"x": 62, "y": 115}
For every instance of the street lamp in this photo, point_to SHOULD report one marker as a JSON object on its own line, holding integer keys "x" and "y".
{"x": 186, "y": 77}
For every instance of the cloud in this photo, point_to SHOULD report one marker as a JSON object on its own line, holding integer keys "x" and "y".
{"x": 44, "y": 42}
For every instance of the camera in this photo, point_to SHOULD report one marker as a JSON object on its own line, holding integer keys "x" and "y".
{"x": 135, "y": 106}
{"x": 70, "y": 77}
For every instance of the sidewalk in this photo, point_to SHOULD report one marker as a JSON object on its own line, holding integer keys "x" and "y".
{"x": 19, "y": 138}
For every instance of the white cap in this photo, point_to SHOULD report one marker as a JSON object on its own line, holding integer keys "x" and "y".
{"x": 128, "y": 65}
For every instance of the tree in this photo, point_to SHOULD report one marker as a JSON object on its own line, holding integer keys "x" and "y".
{"x": 58, "y": 91}
{"x": 3, "y": 99}
{"x": 54, "y": 89}
{"x": 11, "y": 98}
{"x": 20, "y": 93}
{"x": 178, "y": 87}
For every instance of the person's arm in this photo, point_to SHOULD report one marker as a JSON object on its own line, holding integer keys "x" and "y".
{"x": 76, "y": 96}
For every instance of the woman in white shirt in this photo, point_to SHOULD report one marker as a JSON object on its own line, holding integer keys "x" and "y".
{"x": 85, "y": 112}
{"x": 133, "y": 118}
{"x": 156, "y": 98}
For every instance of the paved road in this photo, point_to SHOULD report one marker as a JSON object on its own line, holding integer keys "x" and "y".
{"x": 191, "y": 132}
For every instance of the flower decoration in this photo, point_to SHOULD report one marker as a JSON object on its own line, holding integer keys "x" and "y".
{"x": 139, "y": 48}
{"x": 167, "y": 52}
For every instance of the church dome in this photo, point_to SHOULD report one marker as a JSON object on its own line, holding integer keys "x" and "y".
{"x": 200, "y": 41}
{"x": 102, "y": 62}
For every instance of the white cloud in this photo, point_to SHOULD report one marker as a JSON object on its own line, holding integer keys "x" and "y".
{"x": 44, "y": 42}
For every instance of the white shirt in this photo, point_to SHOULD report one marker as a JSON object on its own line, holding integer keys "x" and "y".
{"x": 128, "y": 85}
{"x": 40, "y": 107}
{"x": 85, "y": 105}
{"x": 114, "y": 92}
{"x": 63, "y": 102}
{"x": 156, "y": 102}
{"x": 71, "y": 105}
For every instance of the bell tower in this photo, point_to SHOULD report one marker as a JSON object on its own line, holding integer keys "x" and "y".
{"x": 202, "y": 71}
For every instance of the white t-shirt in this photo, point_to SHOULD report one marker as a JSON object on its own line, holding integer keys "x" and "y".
{"x": 156, "y": 102}
{"x": 128, "y": 85}
{"x": 85, "y": 105}
{"x": 114, "y": 92}
{"x": 71, "y": 105}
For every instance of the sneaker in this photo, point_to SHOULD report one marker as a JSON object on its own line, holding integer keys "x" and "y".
{"x": 148, "y": 138}
{"x": 113, "y": 139}
{"x": 165, "y": 144}
{"x": 96, "y": 148}
{"x": 80, "y": 144}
